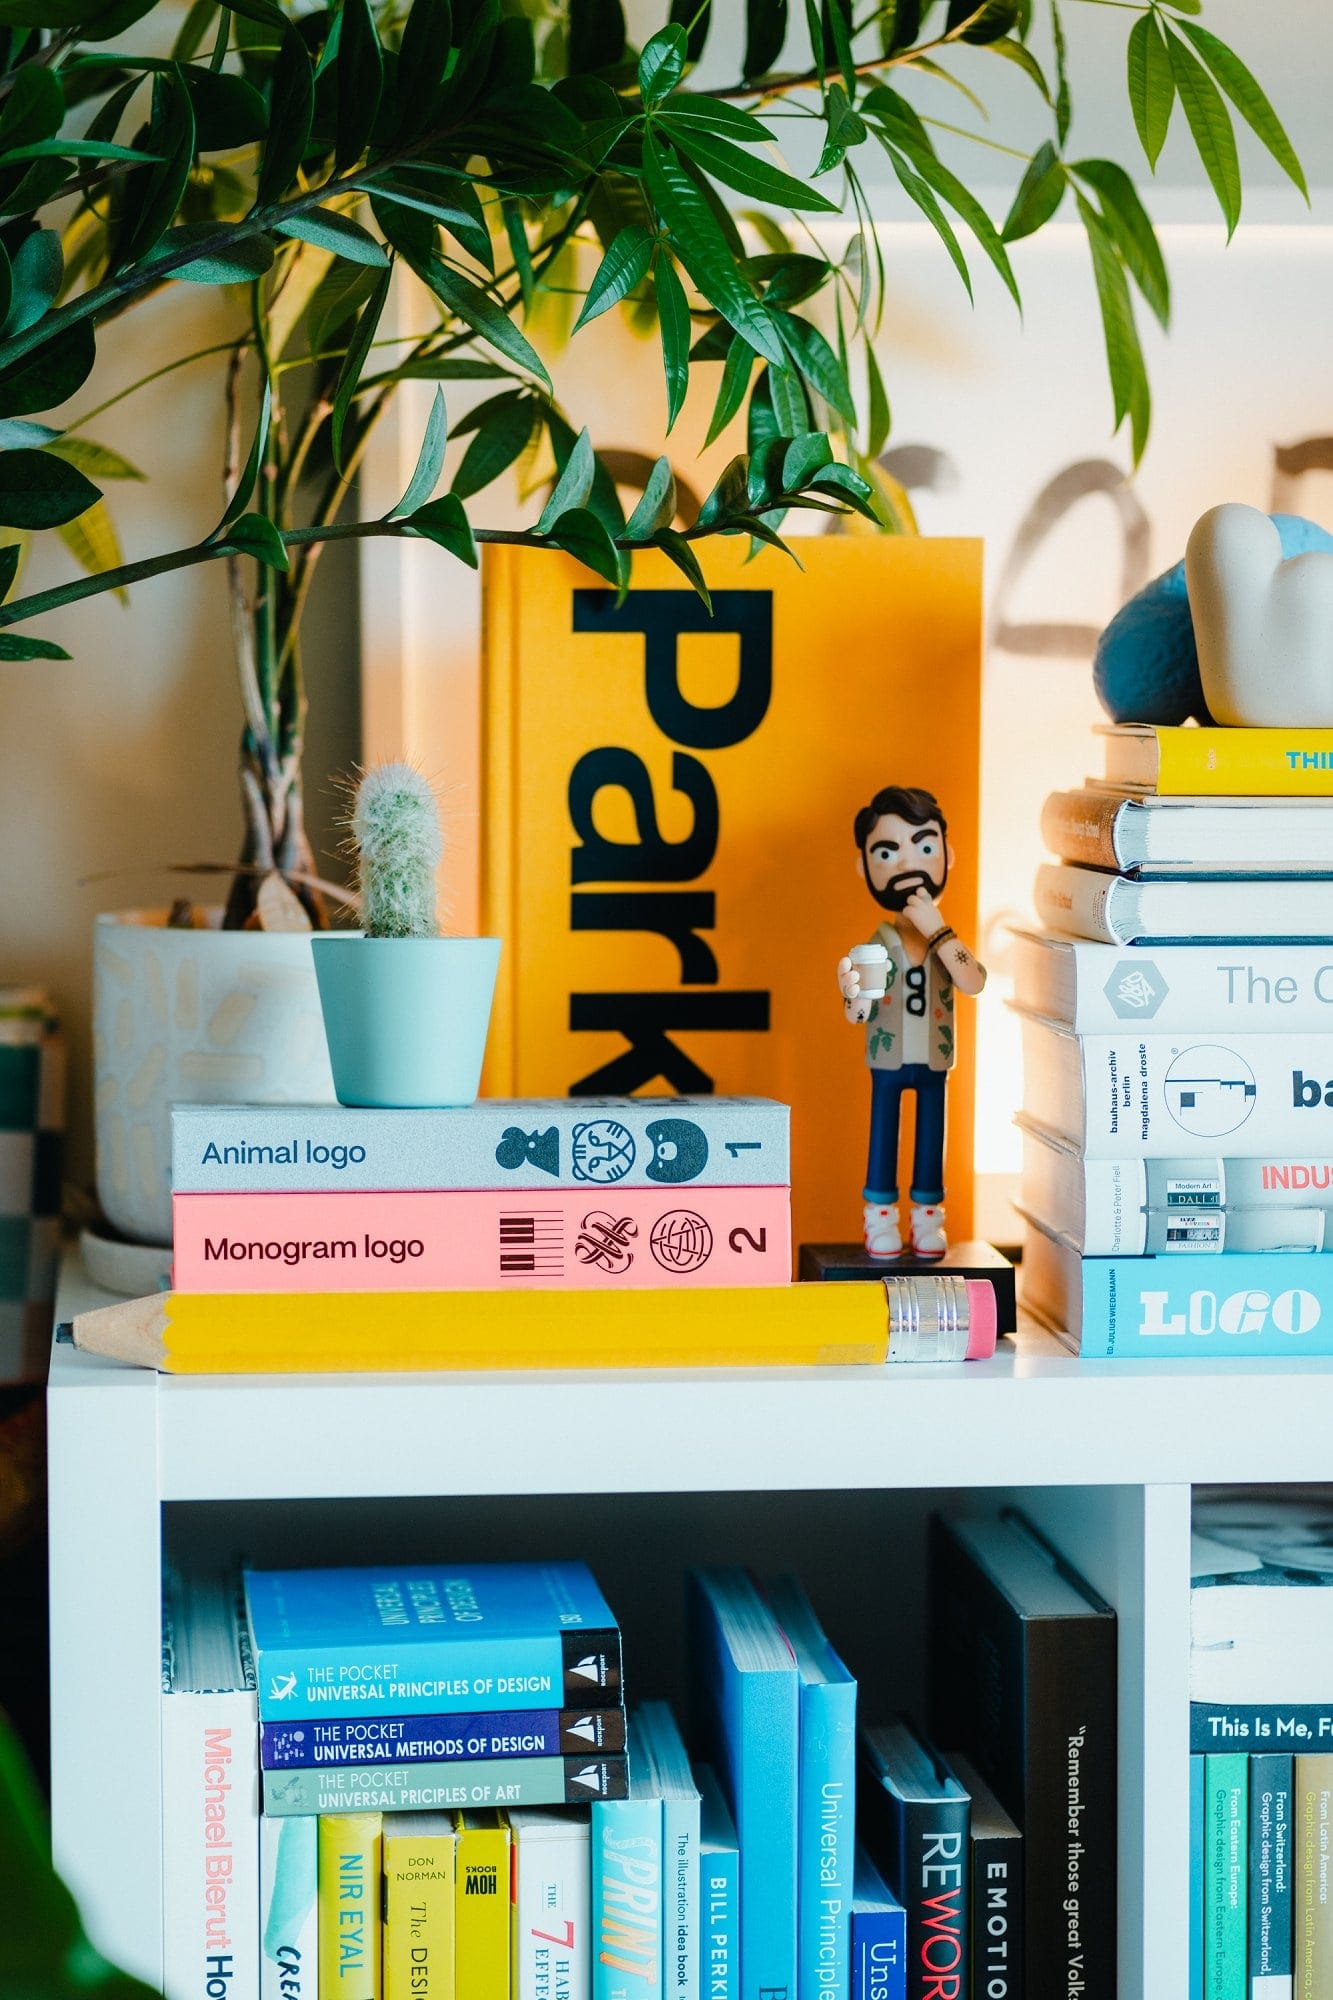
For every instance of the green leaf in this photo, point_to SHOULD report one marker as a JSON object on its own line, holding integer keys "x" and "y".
{"x": 35, "y": 279}
{"x": 787, "y": 279}
{"x": 1152, "y": 87}
{"x": 675, "y": 547}
{"x": 92, "y": 541}
{"x": 730, "y": 497}
{"x": 1039, "y": 195}
{"x": 430, "y": 459}
{"x": 847, "y": 485}
{"x": 727, "y": 119}
{"x": 328, "y": 230}
{"x": 358, "y": 347}
{"x": 15, "y": 431}
{"x": 1063, "y": 104}
{"x": 788, "y": 402}
{"x": 662, "y": 64}
{"x": 338, "y": 297}
{"x": 765, "y": 32}
{"x": 422, "y": 59}
{"x": 77, "y": 149}
{"x": 1248, "y": 98}
{"x": 453, "y": 204}
{"x": 266, "y": 12}
{"x": 657, "y": 508}
{"x": 501, "y": 437}
{"x": 914, "y": 187}
{"x": 33, "y": 109}
{"x": 749, "y": 173}
{"x": 488, "y": 320}
{"x": 255, "y": 535}
{"x": 836, "y": 14}
{"x": 291, "y": 109}
{"x": 10, "y": 556}
{"x": 695, "y": 16}
{"x": 14, "y": 646}
{"x": 580, "y": 534}
{"x": 817, "y": 363}
{"x": 624, "y": 266}
{"x": 1130, "y": 226}
{"x": 804, "y": 457}
{"x": 699, "y": 243}
{"x": 50, "y": 374}
{"x": 97, "y": 460}
{"x": 1022, "y": 57}
{"x": 360, "y": 82}
{"x": 240, "y": 263}
{"x": 152, "y": 198}
{"x": 845, "y": 126}
{"x": 673, "y": 318}
{"x": 445, "y": 523}
{"x": 1129, "y": 378}
{"x": 228, "y": 110}
{"x": 1210, "y": 123}
{"x": 245, "y": 485}
{"x": 995, "y": 20}
{"x": 731, "y": 391}
{"x": 596, "y": 35}
{"x": 878, "y": 415}
{"x": 38, "y": 490}
{"x": 572, "y": 488}
{"x": 965, "y": 204}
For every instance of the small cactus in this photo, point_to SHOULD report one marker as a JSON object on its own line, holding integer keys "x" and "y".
{"x": 395, "y": 826}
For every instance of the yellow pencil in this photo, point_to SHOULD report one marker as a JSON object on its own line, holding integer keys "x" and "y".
{"x": 933, "y": 1318}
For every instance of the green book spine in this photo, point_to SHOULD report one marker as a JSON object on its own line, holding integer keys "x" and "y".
{"x": 1313, "y": 1786}
{"x": 1226, "y": 1852}
{"x": 510, "y": 1781}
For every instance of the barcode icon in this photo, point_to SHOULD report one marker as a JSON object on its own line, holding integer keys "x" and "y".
{"x": 532, "y": 1243}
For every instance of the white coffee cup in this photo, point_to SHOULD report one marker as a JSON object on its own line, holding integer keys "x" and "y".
{"x": 872, "y": 965}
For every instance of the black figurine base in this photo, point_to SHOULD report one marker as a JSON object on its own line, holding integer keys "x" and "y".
{"x": 834, "y": 1263}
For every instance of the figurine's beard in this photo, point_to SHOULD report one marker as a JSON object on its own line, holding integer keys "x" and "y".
{"x": 898, "y": 892}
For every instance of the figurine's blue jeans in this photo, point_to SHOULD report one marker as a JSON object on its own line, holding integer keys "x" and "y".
{"x": 886, "y": 1100}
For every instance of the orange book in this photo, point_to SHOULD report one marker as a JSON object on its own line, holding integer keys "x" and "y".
{"x": 667, "y": 825}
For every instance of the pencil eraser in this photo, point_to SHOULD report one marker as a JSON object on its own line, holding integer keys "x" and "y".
{"x": 981, "y": 1318}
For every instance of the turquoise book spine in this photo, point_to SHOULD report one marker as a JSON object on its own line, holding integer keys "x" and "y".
{"x": 826, "y": 1846}
{"x": 1197, "y": 1840}
{"x": 627, "y": 1900}
{"x": 1226, "y": 1867}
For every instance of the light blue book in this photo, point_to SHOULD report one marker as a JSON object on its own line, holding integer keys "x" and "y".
{"x": 826, "y": 1845}
{"x": 628, "y": 1887}
{"x": 665, "y": 1772}
{"x": 431, "y": 1641}
{"x": 1271, "y": 1899}
{"x": 1225, "y": 1871}
{"x": 749, "y": 1700}
{"x": 879, "y": 1936}
{"x": 719, "y": 1891}
{"x": 1198, "y": 1797}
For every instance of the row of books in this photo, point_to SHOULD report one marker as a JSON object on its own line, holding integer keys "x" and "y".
{"x": 1261, "y": 1747}
{"x": 675, "y": 1881}
{"x": 500, "y": 1195}
{"x": 1178, "y": 1052}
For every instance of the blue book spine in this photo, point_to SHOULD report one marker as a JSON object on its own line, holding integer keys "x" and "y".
{"x": 1172, "y": 1309}
{"x": 1260, "y": 1727}
{"x": 1271, "y": 1962}
{"x": 627, "y": 1899}
{"x": 680, "y": 1842}
{"x": 720, "y": 1924}
{"x": 762, "y": 1731}
{"x": 879, "y": 1954}
{"x": 1225, "y": 1872}
{"x": 1198, "y": 1796}
{"x": 427, "y": 1739}
{"x": 826, "y": 1846}
{"x": 445, "y": 1677}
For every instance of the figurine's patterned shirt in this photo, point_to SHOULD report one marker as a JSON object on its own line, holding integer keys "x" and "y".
{"x": 913, "y": 1023}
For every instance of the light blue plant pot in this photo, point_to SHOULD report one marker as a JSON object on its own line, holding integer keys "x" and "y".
{"x": 406, "y": 1018}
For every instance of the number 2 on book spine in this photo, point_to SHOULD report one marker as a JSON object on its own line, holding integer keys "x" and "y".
{"x": 566, "y": 1938}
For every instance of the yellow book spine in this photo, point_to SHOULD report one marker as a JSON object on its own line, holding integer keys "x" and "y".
{"x": 333, "y": 1332}
{"x": 482, "y": 1908}
{"x": 349, "y": 1906}
{"x": 419, "y": 1885}
{"x": 1259, "y": 763}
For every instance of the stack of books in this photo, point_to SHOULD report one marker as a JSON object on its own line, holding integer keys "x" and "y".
{"x": 1178, "y": 1048}
{"x": 1261, "y": 1748}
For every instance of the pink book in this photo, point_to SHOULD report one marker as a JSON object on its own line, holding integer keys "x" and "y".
{"x": 578, "y": 1238}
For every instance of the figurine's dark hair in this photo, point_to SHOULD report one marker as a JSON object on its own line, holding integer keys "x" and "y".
{"x": 907, "y": 802}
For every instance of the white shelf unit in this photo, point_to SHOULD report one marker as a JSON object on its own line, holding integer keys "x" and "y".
{"x": 831, "y": 1472}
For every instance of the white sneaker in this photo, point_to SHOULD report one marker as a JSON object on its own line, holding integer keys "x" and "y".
{"x": 880, "y": 1230}
{"x": 928, "y": 1237}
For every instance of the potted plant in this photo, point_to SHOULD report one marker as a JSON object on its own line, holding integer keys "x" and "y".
{"x": 405, "y": 1010}
{"x": 299, "y": 162}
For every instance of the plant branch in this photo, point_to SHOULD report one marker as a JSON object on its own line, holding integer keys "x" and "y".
{"x": 810, "y": 79}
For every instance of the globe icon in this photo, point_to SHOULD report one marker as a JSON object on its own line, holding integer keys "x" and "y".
{"x": 681, "y": 1241}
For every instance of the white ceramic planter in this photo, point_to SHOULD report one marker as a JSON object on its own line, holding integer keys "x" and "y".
{"x": 197, "y": 1017}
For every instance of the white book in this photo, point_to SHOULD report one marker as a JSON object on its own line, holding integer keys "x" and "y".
{"x": 1261, "y": 1601}
{"x": 1137, "y": 1208}
{"x": 1145, "y": 835}
{"x": 1100, "y": 988}
{"x": 552, "y": 1903}
{"x": 1155, "y": 1097}
{"x": 210, "y": 1792}
{"x": 1089, "y": 903}
{"x": 289, "y": 1931}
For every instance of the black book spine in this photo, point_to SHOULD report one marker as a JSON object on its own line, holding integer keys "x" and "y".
{"x": 997, "y": 1917}
{"x": 591, "y": 1669}
{"x": 935, "y": 1896}
{"x": 595, "y": 1778}
{"x": 588, "y": 1729}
